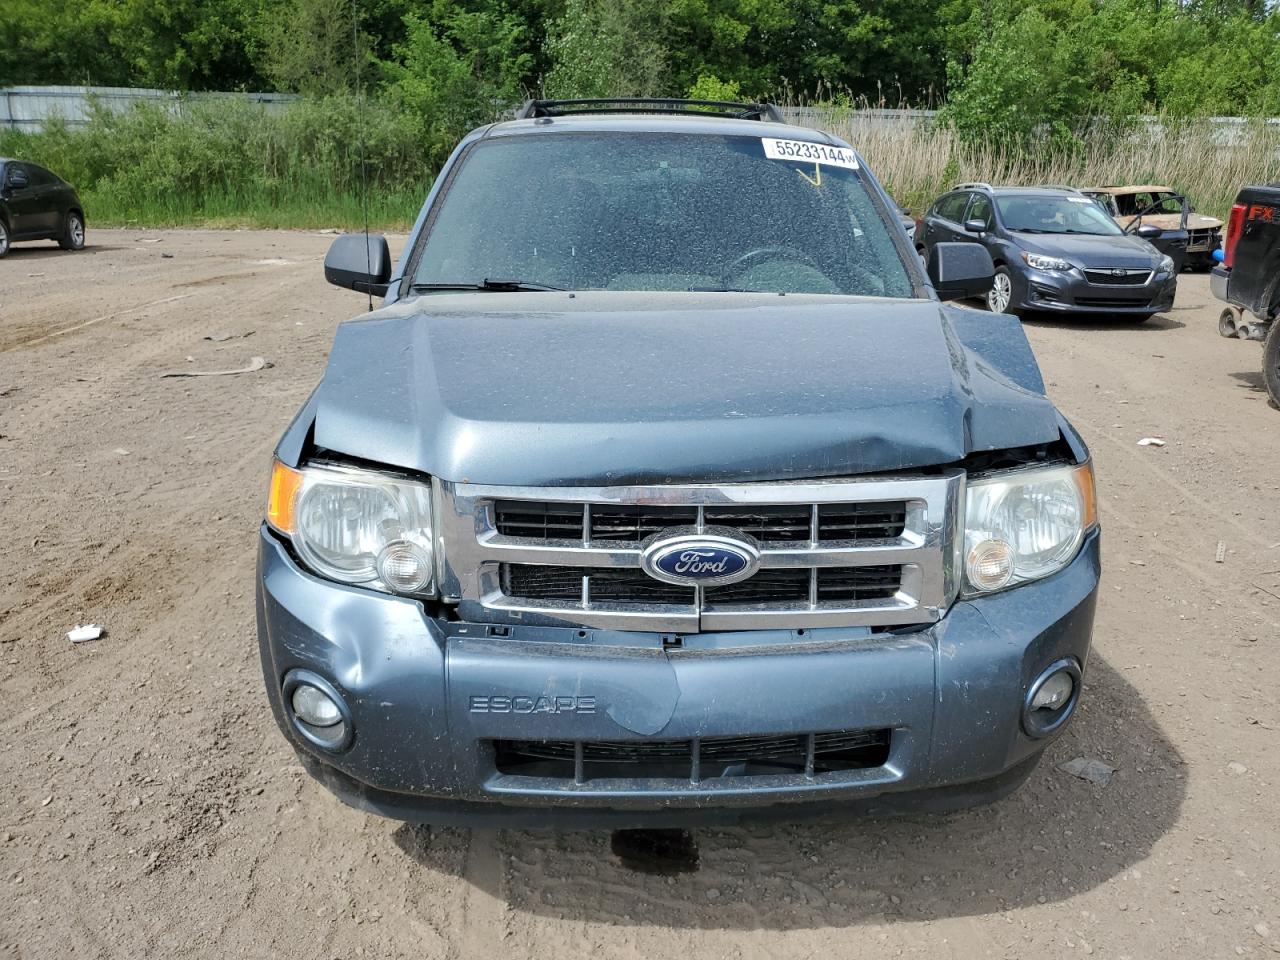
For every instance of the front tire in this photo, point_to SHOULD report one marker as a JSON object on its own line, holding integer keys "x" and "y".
{"x": 1000, "y": 296}
{"x": 1271, "y": 362}
{"x": 72, "y": 236}
{"x": 4, "y": 238}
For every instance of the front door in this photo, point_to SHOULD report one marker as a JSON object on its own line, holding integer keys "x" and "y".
{"x": 24, "y": 204}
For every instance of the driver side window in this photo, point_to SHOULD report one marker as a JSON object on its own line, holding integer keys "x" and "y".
{"x": 952, "y": 207}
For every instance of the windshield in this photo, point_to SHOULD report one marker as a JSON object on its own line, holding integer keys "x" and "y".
{"x": 626, "y": 211}
{"x": 1037, "y": 214}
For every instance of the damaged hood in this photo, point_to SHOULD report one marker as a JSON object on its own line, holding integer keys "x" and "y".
{"x": 603, "y": 388}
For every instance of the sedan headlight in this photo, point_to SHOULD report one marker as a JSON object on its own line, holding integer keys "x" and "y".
{"x": 356, "y": 526}
{"x": 1025, "y": 525}
{"x": 1038, "y": 261}
{"x": 1166, "y": 265}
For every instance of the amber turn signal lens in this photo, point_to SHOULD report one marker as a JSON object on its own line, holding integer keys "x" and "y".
{"x": 283, "y": 498}
{"x": 1083, "y": 476}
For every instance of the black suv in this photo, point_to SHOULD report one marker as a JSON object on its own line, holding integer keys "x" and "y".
{"x": 1055, "y": 250}
{"x": 38, "y": 205}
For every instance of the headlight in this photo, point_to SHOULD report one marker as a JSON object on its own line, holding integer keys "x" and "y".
{"x": 1025, "y": 525}
{"x": 1166, "y": 265}
{"x": 1040, "y": 262}
{"x": 356, "y": 526}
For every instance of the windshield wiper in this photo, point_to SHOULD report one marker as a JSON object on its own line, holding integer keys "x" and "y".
{"x": 500, "y": 285}
{"x": 1030, "y": 230}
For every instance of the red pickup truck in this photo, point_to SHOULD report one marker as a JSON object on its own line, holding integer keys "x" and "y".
{"x": 1248, "y": 277}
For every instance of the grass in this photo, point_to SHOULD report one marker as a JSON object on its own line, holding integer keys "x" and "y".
{"x": 229, "y": 164}
{"x": 1206, "y": 161}
{"x": 290, "y": 208}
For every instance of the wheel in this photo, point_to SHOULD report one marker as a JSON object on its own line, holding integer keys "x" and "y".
{"x": 1271, "y": 362}
{"x": 4, "y": 238}
{"x": 72, "y": 237}
{"x": 1001, "y": 293}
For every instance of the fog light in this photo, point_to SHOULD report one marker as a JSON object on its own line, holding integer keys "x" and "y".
{"x": 990, "y": 564}
{"x": 313, "y": 706}
{"x": 1052, "y": 698}
{"x": 1054, "y": 692}
{"x": 405, "y": 566}
{"x": 317, "y": 710}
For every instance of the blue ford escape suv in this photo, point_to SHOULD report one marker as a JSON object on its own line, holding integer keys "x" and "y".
{"x": 664, "y": 487}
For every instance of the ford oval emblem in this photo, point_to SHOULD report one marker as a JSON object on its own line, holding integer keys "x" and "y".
{"x": 700, "y": 560}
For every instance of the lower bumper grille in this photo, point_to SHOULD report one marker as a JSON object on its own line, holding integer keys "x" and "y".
{"x": 1110, "y": 302}
{"x": 535, "y": 582}
{"x": 694, "y": 760}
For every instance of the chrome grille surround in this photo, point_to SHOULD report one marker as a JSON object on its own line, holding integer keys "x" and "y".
{"x": 471, "y": 551}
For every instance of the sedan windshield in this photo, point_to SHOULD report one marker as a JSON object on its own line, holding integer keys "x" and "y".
{"x": 1028, "y": 213}
{"x": 626, "y": 211}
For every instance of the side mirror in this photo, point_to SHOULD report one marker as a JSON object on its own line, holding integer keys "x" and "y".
{"x": 975, "y": 226}
{"x": 960, "y": 270}
{"x": 17, "y": 179}
{"x": 359, "y": 262}
{"x": 1149, "y": 231}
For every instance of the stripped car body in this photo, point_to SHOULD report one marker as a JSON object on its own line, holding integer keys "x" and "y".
{"x": 1188, "y": 237}
{"x": 693, "y": 554}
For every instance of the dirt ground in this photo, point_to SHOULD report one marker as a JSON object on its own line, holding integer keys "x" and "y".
{"x": 149, "y": 806}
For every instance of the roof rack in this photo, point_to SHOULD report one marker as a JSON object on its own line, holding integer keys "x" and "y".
{"x": 1060, "y": 186}
{"x": 976, "y": 185}
{"x": 697, "y": 108}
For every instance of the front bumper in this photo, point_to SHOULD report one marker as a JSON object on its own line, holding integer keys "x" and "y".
{"x": 427, "y": 698}
{"x": 1070, "y": 292}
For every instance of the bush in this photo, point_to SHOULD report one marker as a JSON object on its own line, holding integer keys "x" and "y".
{"x": 229, "y": 161}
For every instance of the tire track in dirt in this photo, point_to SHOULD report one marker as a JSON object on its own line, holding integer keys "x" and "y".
{"x": 481, "y": 924}
{"x": 36, "y": 341}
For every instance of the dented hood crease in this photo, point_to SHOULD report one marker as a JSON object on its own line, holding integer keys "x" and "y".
{"x": 605, "y": 388}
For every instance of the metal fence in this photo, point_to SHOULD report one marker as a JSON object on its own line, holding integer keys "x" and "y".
{"x": 28, "y": 108}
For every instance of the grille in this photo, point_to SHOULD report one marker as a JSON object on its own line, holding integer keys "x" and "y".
{"x": 1110, "y": 302}
{"x": 535, "y": 582}
{"x": 1131, "y": 278}
{"x": 780, "y": 586}
{"x": 781, "y": 523}
{"x": 805, "y": 754}
{"x": 865, "y": 551}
